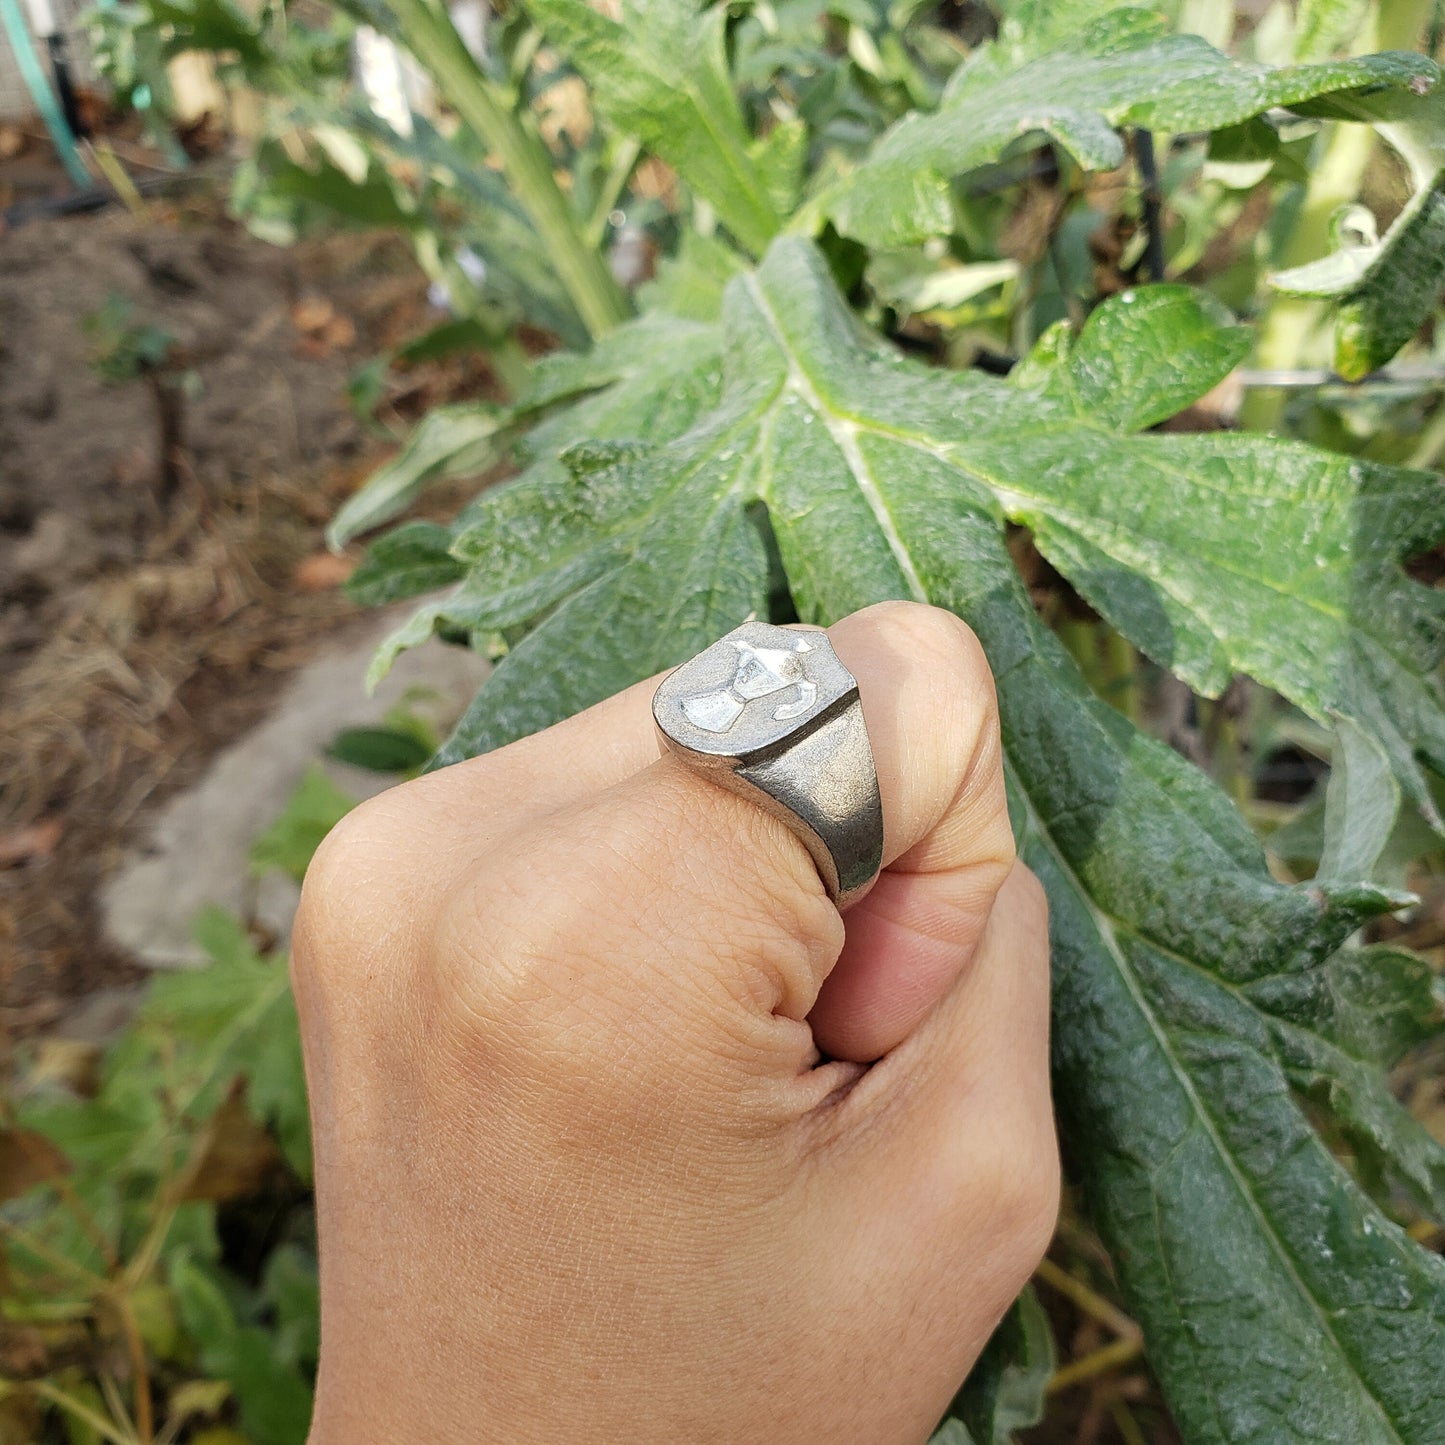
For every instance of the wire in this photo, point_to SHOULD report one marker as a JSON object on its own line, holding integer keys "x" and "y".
{"x": 33, "y": 75}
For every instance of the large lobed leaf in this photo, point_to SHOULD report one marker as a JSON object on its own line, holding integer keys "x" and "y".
{"x": 1227, "y": 553}
{"x": 1213, "y": 553}
{"x": 1194, "y": 995}
{"x": 1074, "y": 88}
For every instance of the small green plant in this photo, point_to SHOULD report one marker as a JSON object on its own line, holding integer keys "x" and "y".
{"x": 156, "y": 1228}
{"x": 160, "y": 1253}
{"x": 127, "y": 350}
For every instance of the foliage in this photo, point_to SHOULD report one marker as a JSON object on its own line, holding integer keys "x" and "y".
{"x": 934, "y": 284}
{"x": 1385, "y": 286}
{"x": 133, "y": 41}
{"x": 310, "y": 813}
{"x": 159, "y": 1249}
{"x": 1006, "y": 1390}
{"x": 757, "y": 441}
{"x": 125, "y": 348}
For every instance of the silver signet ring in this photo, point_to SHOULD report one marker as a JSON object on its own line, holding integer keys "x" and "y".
{"x": 771, "y": 713}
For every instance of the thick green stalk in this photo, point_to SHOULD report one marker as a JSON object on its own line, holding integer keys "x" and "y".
{"x": 1291, "y": 324}
{"x": 429, "y": 33}
{"x": 1213, "y": 19}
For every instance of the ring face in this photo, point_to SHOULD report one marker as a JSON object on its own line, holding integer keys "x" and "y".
{"x": 772, "y": 713}
{"x": 752, "y": 691}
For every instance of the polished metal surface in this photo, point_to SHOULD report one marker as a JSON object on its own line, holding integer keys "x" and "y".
{"x": 771, "y": 713}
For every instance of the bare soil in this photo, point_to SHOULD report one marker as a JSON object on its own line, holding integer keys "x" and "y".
{"x": 139, "y": 631}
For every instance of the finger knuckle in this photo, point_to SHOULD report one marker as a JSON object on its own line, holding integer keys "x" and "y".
{"x": 538, "y": 974}
{"x": 616, "y": 927}
{"x": 749, "y": 904}
{"x": 500, "y": 933}
{"x": 1025, "y": 1191}
{"x": 941, "y": 636}
{"x": 347, "y": 888}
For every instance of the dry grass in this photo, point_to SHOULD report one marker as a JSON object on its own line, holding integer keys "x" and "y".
{"x": 147, "y": 671}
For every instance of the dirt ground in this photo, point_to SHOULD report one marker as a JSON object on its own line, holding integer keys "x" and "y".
{"x": 139, "y": 631}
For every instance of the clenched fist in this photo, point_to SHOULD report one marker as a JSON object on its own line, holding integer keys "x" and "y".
{"x": 624, "y": 1134}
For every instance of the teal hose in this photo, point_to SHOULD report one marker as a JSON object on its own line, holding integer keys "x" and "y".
{"x": 33, "y": 74}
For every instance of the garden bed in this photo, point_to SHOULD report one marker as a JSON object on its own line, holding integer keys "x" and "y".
{"x": 137, "y": 634}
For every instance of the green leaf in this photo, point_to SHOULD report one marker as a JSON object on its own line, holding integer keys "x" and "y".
{"x": 311, "y": 812}
{"x": 1362, "y": 801}
{"x": 1323, "y": 26}
{"x": 290, "y": 1288}
{"x": 1123, "y": 69}
{"x": 690, "y": 284}
{"x": 1005, "y": 1390}
{"x": 651, "y": 378}
{"x": 406, "y": 562}
{"x": 197, "y": 1033}
{"x": 520, "y": 272}
{"x": 1386, "y": 288}
{"x": 239, "y": 1018}
{"x": 914, "y": 284}
{"x": 882, "y": 478}
{"x": 451, "y": 441}
{"x": 661, "y": 75}
{"x": 1019, "y": 1404}
{"x": 371, "y": 199}
{"x": 780, "y": 159}
{"x": 951, "y": 1432}
{"x": 274, "y": 1399}
{"x": 213, "y": 25}
{"x": 1337, "y": 1028}
{"x": 379, "y": 750}
{"x": 652, "y": 373}
{"x": 1234, "y": 553}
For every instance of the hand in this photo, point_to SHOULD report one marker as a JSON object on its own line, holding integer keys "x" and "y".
{"x": 581, "y": 1171}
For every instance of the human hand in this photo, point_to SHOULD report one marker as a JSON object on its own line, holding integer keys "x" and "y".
{"x": 580, "y": 1172}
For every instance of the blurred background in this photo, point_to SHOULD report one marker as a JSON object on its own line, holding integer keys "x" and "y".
{"x": 250, "y": 259}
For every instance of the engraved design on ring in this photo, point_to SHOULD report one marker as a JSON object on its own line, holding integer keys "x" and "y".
{"x": 772, "y": 713}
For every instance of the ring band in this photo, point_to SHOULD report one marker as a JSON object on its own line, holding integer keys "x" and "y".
{"x": 772, "y": 713}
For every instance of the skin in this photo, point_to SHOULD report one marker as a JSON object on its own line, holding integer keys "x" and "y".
{"x": 621, "y": 1133}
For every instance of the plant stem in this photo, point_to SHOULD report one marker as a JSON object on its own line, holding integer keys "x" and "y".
{"x": 1122, "y": 664}
{"x": 52, "y": 1257}
{"x": 73, "y": 1202}
{"x": 1151, "y": 203}
{"x": 624, "y": 161}
{"x": 146, "y": 1257}
{"x": 1121, "y": 1352}
{"x": 1430, "y": 443}
{"x": 115, "y": 1403}
{"x": 145, "y": 1426}
{"x": 1085, "y": 1299}
{"x": 427, "y": 30}
{"x": 1126, "y": 1424}
{"x": 167, "y": 387}
{"x": 1292, "y": 323}
{"x": 1213, "y": 19}
{"x": 81, "y": 1411}
{"x": 115, "y": 173}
